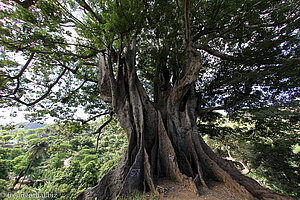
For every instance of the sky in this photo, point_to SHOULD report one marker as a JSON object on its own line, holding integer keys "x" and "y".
{"x": 14, "y": 116}
{"x": 7, "y": 118}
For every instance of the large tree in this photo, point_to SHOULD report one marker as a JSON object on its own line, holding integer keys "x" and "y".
{"x": 157, "y": 65}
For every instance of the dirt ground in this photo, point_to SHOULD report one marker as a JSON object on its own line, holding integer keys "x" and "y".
{"x": 170, "y": 190}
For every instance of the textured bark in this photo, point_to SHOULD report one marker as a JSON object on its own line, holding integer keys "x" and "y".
{"x": 163, "y": 136}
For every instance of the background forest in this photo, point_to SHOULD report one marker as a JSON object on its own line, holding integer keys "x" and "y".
{"x": 264, "y": 144}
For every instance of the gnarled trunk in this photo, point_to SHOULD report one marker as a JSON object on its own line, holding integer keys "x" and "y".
{"x": 163, "y": 137}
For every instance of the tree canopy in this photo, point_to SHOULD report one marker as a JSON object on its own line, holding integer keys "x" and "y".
{"x": 158, "y": 66}
{"x": 49, "y": 50}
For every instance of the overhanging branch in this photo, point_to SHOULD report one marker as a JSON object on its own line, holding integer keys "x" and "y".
{"x": 18, "y": 76}
{"x": 90, "y": 10}
{"x": 100, "y": 129}
{"x": 237, "y": 96}
{"x": 273, "y": 24}
{"x": 28, "y": 48}
{"x": 26, "y": 3}
{"x": 92, "y": 118}
{"x": 74, "y": 71}
{"x": 217, "y": 53}
{"x": 76, "y": 21}
{"x": 44, "y": 95}
{"x": 24, "y": 67}
{"x": 66, "y": 99}
{"x": 240, "y": 58}
{"x": 72, "y": 54}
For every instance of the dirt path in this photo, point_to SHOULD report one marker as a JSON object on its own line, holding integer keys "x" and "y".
{"x": 67, "y": 161}
{"x": 170, "y": 190}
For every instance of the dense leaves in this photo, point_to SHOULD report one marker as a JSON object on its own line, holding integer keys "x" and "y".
{"x": 266, "y": 140}
{"x": 249, "y": 50}
{"x": 69, "y": 164}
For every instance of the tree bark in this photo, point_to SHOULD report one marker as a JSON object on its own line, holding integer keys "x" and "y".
{"x": 163, "y": 137}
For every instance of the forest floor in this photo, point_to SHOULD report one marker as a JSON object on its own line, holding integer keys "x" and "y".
{"x": 170, "y": 190}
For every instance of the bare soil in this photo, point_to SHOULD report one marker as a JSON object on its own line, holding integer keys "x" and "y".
{"x": 170, "y": 190}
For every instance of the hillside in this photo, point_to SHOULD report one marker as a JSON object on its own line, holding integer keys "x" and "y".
{"x": 30, "y": 125}
{"x": 61, "y": 160}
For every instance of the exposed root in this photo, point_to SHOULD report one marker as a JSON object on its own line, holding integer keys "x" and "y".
{"x": 175, "y": 151}
{"x": 148, "y": 175}
{"x": 242, "y": 183}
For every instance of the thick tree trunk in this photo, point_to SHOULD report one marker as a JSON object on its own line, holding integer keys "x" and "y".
{"x": 163, "y": 139}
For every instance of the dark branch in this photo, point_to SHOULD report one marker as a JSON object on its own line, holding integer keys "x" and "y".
{"x": 238, "y": 59}
{"x": 227, "y": 30}
{"x": 66, "y": 99}
{"x": 77, "y": 45}
{"x": 92, "y": 118}
{"x": 204, "y": 32}
{"x": 16, "y": 47}
{"x": 26, "y": 3}
{"x": 23, "y": 68}
{"x": 44, "y": 95}
{"x": 217, "y": 11}
{"x": 224, "y": 107}
{"x": 74, "y": 71}
{"x": 100, "y": 129}
{"x": 265, "y": 25}
{"x": 216, "y": 53}
{"x": 18, "y": 76}
{"x": 76, "y": 21}
{"x": 72, "y": 54}
{"x": 27, "y": 47}
{"x": 238, "y": 96}
{"x": 90, "y": 64}
{"x": 90, "y": 10}
{"x": 187, "y": 24}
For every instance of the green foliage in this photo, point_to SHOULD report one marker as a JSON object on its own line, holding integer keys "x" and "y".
{"x": 20, "y": 163}
{"x": 56, "y": 161}
{"x": 68, "y": 164}
{"x": 249, "y": 50}
{"x": 31, "y": 136}
{"x": 256, "y": 44}
{"x": 90, "y": 176}
{"x": 3, "y": 186}
{"x": 10, "y": 154}
{"x": 6, "y": 138}
{"x": 265, "y": 139}
{"x": 4, "y": 169}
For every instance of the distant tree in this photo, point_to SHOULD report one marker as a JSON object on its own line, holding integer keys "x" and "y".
{"x": 20, "y": 135}
{"x": 56, "y": 161}
{"x": 4, "y": 169}
{"x": 90, "y": 177}
{"x": 34, "y": 152}
{"x": 6, "y": 138}
{"x": 158, "y": 65}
